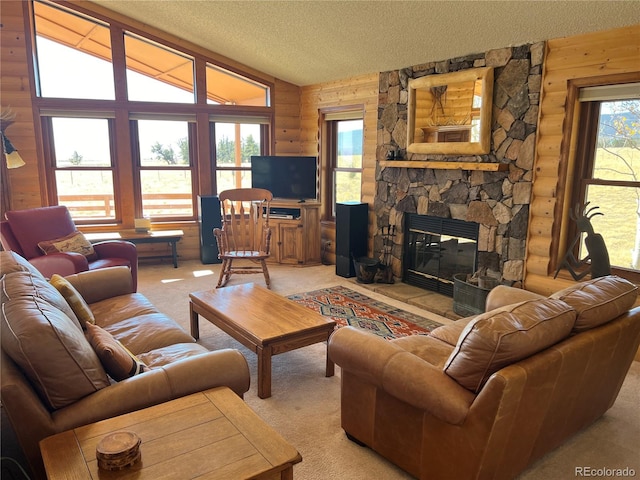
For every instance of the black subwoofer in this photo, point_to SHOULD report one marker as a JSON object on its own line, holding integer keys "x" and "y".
{"x": 352, "y": 230}
{"x": 209, "y": 217}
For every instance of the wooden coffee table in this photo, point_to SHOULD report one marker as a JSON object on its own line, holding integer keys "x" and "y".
{"x": 262, "y": 321}
{"x": 213, "y": 434}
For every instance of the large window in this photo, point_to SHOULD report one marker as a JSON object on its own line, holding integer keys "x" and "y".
{"x": 165, "y": 168}
{"x": 608, "y": 174}
{"x": 82, "y": 166}
{"x": 156, "y": 73}
{"x": 344, "y": 141}
{"x": 234, "y": 145}
{"x": 144, "y": 126}
{"x": 67, "y": 66}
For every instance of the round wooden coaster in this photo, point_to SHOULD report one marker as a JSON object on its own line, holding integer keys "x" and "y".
{"x": 118, "y": 450}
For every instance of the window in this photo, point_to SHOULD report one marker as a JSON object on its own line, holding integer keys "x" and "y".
{"x": 608, "y": 173}
{"x": 227, "y": 88}
{"x": 156, "y": 73}
{"x": 74, "y": 55}
{"x": 82, "y": 166}
{"x": 234, "y": 145}
{"x": 131, "y": 137}
{"x": 344, "y": 159}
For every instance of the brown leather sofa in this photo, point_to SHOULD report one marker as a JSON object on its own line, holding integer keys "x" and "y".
{"x": 487, "y": 396}
{"x": 52, "y": 379}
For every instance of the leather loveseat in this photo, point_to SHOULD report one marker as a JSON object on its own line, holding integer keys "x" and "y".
{"x": 486, "y": 396}
{"x": 54, "y": 379}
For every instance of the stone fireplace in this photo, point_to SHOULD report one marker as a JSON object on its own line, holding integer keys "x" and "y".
{"x": 496, "y": 201}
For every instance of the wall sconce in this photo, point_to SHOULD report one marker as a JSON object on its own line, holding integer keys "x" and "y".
{"x": 14, "y": 160}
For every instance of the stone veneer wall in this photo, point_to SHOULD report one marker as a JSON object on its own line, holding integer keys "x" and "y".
{"x": 498, "y": 201}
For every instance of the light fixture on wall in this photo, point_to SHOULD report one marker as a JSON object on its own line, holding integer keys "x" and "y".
{"x": 14, "y": 160}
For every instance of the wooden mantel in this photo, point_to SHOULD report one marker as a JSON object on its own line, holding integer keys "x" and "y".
{"x": 488, "y": 167}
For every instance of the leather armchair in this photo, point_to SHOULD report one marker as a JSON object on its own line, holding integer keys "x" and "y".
{"x": 24, "y": 229}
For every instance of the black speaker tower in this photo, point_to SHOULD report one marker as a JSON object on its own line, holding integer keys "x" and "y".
{"x": 209, "y": 217}
{"x": 352, "y": 231}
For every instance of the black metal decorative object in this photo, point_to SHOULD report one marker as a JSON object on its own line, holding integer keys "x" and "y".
{"x": 597, "y": 260}
{"x": 385, "y": 267}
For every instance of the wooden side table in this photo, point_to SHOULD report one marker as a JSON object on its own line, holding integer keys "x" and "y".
{"x": 170, "y": 237}
{"x": 212, "y": 433}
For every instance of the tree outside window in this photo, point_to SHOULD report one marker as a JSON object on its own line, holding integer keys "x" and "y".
{"x": 345, "y": 161}
{"x": 611, "y": 178}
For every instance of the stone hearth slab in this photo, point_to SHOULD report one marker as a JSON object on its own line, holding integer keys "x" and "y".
{"x": 429, "y": 301}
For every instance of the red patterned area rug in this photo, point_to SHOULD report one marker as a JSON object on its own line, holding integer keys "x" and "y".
{"x": 348, "y": 307}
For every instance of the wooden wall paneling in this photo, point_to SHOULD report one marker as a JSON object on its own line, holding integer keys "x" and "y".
{"x": 582, "y": 56}
{"x": 24, "y": 183}
{"x": 287, "y": 118}
{"x": 328, "y": 242}
{"x": 361, "y": 90}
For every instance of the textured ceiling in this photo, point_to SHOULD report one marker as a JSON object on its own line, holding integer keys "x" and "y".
{"x": 308, "y": 42}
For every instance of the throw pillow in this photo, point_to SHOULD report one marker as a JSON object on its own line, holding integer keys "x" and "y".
{"x": 74, "y": 299}
{"x": 116, "y": 359}
{"x": 599, "y": 300}
{"x": 74, "y": 242}
{"x": 498, "y": 338}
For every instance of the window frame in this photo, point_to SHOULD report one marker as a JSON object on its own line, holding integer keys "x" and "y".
{"x": 52, "y": 165}
{"x": 331, "y": 119}
{"x": 138, "y": 168}
{"x": 264, "y": 148}
{"x": 127, "y": 193}
{"x": 585, "y": 117}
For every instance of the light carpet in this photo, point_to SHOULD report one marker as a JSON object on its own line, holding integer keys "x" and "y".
{"x": 305, "y": 406}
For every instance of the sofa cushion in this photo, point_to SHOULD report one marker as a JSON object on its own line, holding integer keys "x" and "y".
{"x": 171, "y": 354}
{"x": 504, "y": 336}
{"x": 451, "y": 333}
{"x": 73, "y": 242}
{"x": 119, "y": 362}
{"x": 426, "y": 347}
{"x": 121, "y": 307}
{"x": 148, "y": 332}
{"x": 21, "y": 284}
{"x": 74, "y": 299}
{"x": 599, "y": 300}
{"x": 51, "y": 350}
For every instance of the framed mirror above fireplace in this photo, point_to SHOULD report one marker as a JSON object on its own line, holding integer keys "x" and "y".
{"x": 450, "y": 113}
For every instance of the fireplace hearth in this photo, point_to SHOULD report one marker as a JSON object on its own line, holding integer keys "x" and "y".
{"x": 436, "y": 249}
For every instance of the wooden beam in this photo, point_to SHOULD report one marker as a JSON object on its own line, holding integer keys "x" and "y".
{"x": 488, "y": 167}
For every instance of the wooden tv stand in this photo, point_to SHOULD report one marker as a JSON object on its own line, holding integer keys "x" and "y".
{"x": 295, "y": 232}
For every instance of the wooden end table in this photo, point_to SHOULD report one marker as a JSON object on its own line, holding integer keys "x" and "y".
{"x": 262, "y": 321}
{"x": 170, "y": 237}
{"x": 212, "y": 434}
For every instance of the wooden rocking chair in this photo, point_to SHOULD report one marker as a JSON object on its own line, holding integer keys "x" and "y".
{"x": 245, "y": 233}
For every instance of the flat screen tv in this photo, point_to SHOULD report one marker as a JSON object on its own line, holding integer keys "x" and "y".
{"x": 291, "y": 178}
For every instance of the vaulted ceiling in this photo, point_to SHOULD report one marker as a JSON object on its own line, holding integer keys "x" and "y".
{"x": 309, "y": 42}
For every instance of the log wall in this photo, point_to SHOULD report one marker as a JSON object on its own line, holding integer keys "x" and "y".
{"x": 22, "y": 185}
{"x": 357, "y": 91}
{"x": 578, "y": 57}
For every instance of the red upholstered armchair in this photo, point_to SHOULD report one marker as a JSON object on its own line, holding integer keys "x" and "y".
{"x": 26, "y": 231}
